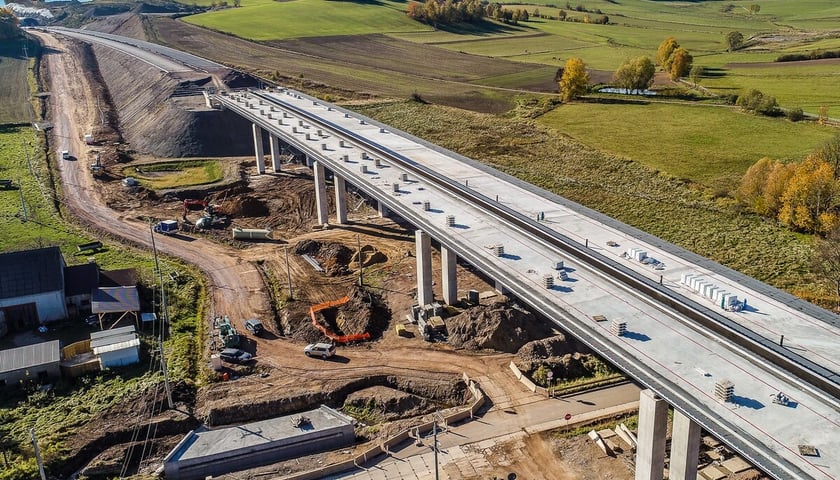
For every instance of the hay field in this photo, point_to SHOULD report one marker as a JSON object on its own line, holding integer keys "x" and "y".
{"x": 14, "y": 94}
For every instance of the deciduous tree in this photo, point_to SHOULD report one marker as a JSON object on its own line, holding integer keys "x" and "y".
{"x": 575, "y": 79}
{"x": 635, "y": 74}
{"x": 697, "y": 73}
{"x": 665, "y": 52}
{"x": 810, "y": 200}
{"x": 755, "y": 8}
{"x": 734, "y": 40}
{"x": 830, "y": 154}
{"x": 827, "y": 259}
{"x": 680, "y": 63}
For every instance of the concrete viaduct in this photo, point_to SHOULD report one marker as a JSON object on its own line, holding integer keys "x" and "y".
{"x": 717, "y": 369}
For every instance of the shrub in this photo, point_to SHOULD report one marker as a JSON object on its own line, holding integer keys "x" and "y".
{"x": 795, "y": 114}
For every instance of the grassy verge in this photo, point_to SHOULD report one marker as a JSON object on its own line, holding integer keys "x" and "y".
{"x": 183, "y": 173}
{"x": 15, "y": 106}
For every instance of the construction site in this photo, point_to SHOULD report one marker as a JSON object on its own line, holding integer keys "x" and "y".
{"x": 397, "y": 366}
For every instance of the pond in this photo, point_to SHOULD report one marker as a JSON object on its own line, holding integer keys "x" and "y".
{"x": 625, "y": 91}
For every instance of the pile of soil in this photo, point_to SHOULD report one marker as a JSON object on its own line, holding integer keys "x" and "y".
{"x": 365, "y": 312}
{"x": 333, "y": 257}
{"x": 383, "y": 404}
{"x": 244, "y": 206}
{"x": 497, "y": 326}
{"x": 370, "y": 256}
{"x": 566, "y": 358}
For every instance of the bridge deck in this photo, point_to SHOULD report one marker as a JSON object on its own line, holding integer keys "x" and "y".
{"x": 660, "y": 348}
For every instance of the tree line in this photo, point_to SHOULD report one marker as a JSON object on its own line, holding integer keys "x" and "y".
{"x": 803, "y": 196}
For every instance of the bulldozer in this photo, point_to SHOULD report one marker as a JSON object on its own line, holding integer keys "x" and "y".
{"x": 96, "y": 168}
{"x": 228, "y": 335}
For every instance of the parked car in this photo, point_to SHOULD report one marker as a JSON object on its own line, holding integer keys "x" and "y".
{"x": 65, "y": 154}
{"x": 323, "y": 350}
{"x": 235, "y": 355}
{"x": 254, "y": 326}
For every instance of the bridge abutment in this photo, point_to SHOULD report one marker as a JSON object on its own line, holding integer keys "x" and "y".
{"x": 423, "y": 243}
{"x": 653, "y": 429}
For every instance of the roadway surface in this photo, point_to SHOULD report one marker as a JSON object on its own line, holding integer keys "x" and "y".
{"x": 662, "y": 348}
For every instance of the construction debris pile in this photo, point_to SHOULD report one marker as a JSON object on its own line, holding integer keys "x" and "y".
{"x": 497, "y": 326}
{"x": 333, "y": 257}
{"x": 565, "y": 357}
{"x": 383, "y": 404}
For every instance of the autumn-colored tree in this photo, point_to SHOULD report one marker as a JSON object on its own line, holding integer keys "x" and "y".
{"x": 830, "y": 154}
{"x": 9, "y": 27}
{"x": 665, "y": 52}
{"x": 810, "y": 200}
{"x": 680, "y": 63}
{"x": 635, "y": 74}
{"x": 753, "y": 184}
{"x": 755, "y": 8}
{"x": 575, "y": 79}
{"x": 822, "y": 114}
{"x": 697, "y": 73}
{"x": 777, "y": 182}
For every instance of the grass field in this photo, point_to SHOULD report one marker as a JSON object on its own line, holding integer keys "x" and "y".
{"x": 704, "y": 144}
{"x": 14, "y": 93}
{"x": 185, "y": 173}
{"x": 271, "y": 20}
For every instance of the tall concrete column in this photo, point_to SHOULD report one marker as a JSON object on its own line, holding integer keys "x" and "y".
{"x": 653, "y": 428}
{"x": 258, "y": 148}
{"x": 449, "y": 261}
{"x": 340, "y": 200}
{"x": 685, "y": 448}
{"x": 383, "y": 210}
{"x": 274, "y": 142}
{"x": 320, "y": 192}
{"x": 423, "y": 243}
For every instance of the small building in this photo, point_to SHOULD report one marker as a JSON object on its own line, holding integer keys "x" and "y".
{"x": 32, "y": 288}
{"x": 204, "y": 452}
{"x": 122, "y": 300}
{"x": 79, "y": 283}
{"x": 116, "y": 347}
{"x": 38, "y": 362}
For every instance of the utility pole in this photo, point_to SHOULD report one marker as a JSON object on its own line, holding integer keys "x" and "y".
{"x": 37, "y": 454}
{"x": 359, "y": 245}
{"x": 22, "y": 203}
{"x": 435, "y": 447}
{"x": 164, "y": 320}
{"x": 289, "y": 273}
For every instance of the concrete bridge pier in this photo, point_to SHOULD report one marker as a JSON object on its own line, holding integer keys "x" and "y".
{"x": 258, "y": 148}
{"x": 340, "y": 200}
{"x": 320, "y": 192}
{"x": 423, "y": 244}
{"x": 685, "y": 448}
{"x": 653, "y": 429}
{"x": 449, "y": 261}
{"x": 274, "y": 142}
{"x": 383, "y": 210}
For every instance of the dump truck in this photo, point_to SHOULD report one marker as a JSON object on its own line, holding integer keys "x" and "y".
{"x": 166, "y": 227}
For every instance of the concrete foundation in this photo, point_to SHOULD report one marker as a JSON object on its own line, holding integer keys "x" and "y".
{"x": 258, "y": 148}
{"x": 274, "y": 142}
{"x": 320, "y": 192}
{"x": 685, "y": 448}
{"x": 653, "y": 429}
{"x": 423, "y": 243}
{"x": 449, "y": 262}
{"x": 340, "y": 200}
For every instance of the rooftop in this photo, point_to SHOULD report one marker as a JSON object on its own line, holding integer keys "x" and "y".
{"x": 29, "y": 356}
{"x": 80, "y": 279}
{"x": 30, "y": 272}
{"x": 115, "y": 299}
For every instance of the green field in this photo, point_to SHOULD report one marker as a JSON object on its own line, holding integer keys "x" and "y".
{"x": 184, "y": 173}
{"x": 704, "y": 144}
{"x": 271, "y": 20}
{"x": 14, "y": 93}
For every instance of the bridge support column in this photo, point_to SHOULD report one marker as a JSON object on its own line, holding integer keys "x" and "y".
{"x": 685, "y": 448}
{"x": 258, "y": 148}
{"x": 320, "y": 193}
{"x": 449, "y": 261}
{"x": 423, "y": 243}
{"x": 340, "y": 200}
{"x": 653, "y": 428}
{"x": 383, "y": 210}
{"x": 274, "y": 142}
